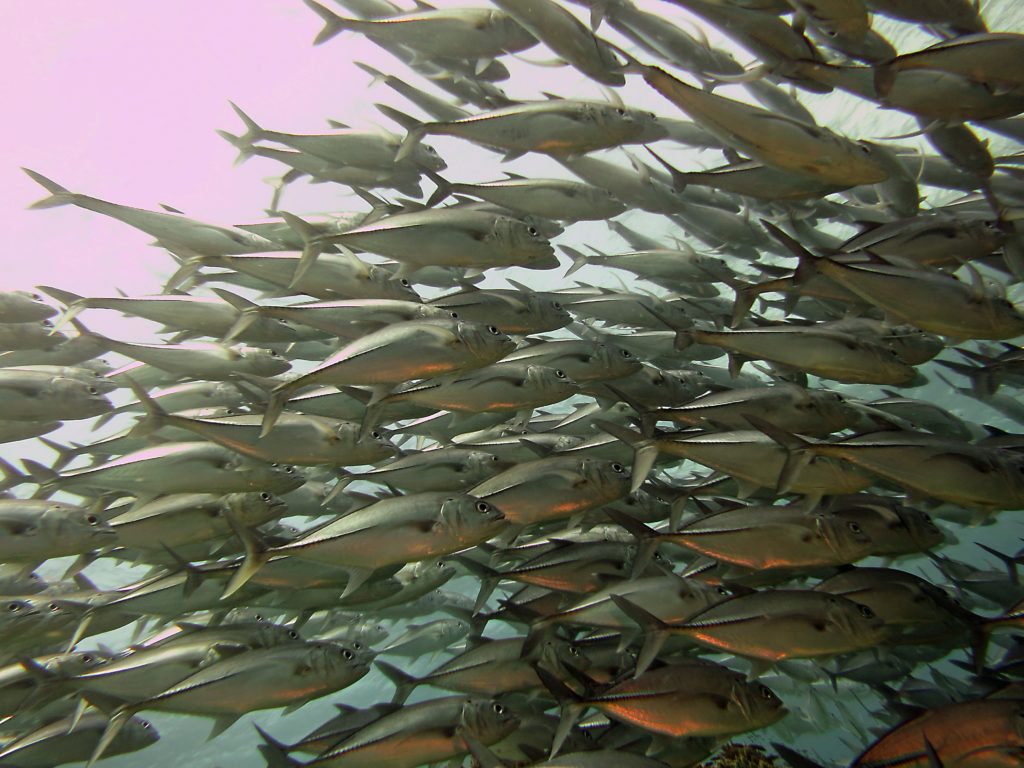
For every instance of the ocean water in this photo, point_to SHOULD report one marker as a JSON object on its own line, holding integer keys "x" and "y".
{"x": 854, "y": 711}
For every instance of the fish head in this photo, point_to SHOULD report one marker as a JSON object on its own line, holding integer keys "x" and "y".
{"x": 479, "y": 465}
{"x": 548, "y": 228}
{"x": 525, "y": 239}
{"x": 834, "y": 410}
{"x": 609, "y": 479}
{"x": 256, "y": 508}
{"x": 508, "y": 32}
{"x": 274, "y": 478}
{"x": 338, "y": 663}
{"x": 16, "y": 612}
{"x": 757, "y": 702}
{"x": 136, "y": 734}
{"x": 386, "y": 286}
{"x": 68, "y": 665}
{"x": 913, "y": 345}
{"x": 267, "y": 634}
{"x": 85, "y": 399}
{"x": 644, "y": 126}
{"x": 847, "y": 538}
{"x": 471, "y": 517}
{"x": 67, "y": 523}
{"x": 616, "y": 361}
{"x": 426, "y": 157}
{"x": 854, "y": 621}
{"x": 488, "y": 720}
{"x": 551, "y": 381}
{"x": 428, "y": 572}
{"x": 546, "y": 309}
{"x": 486, "y": 342}
{"x": 262, "y": 362}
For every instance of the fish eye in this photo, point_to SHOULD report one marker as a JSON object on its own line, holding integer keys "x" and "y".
{"x": 357, "y": 645}
{"x": 53, "y": 606}
{"x": 766, "y": 692}
{"x": 348, "y": 654}
{"x": 91, "y": 519}
{"x": 574, "y": 650}
{"x": 560, "y": 373}
{"x": 405, "y": 283}
{"x": 556, "y": 306}
{"x": 87, "y": 659}
{"x": 616, "y": 467}
{"x": 853, "y": 527}
{"x": 92, "y": 390}
{"x": 37, "y": 297}
{"x": 483, "y": 506}
{"x": 375, "y": 435}
{"x": 866, "y": 612}
{"x": 289, "y": 470}
{"x": 493, "y": 330}
{"x": 46, "y": 324}
{"x": 533, "y": 231}
{"x": 274, "y": 354}
{"x": 145, "y": 724}
{"x": 454, "y": 315}
{"x": 265, "y": 496}
{"x": 621, "y": 111}
{"x": 722, "y": 591}
{"x": 625, "y": 353}
{"x": 292, "y": 634}
{"x": 14, "y": 607}
{"x": 498, "y": 709}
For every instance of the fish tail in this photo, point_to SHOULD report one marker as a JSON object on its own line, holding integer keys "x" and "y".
{"x": 795, "y": 759}
{"x": 44, "y": 477}
{"x": 489, "y": 579}
{"x": 72, "y": 301}
{"x": 311, "y": 249}
{"x": 885, "y": 76}
{"x": 654, "y": 629}
{"x": 245, "y": 148}
{"x": 248, "y": 313}
{"x": 117, "y": 722}
{"x": 647, "y": 540}
{"x": 58, "y": 194}
{"x": 443, "y": 191}
{"x": 645, "y": 450}
{"x": 253, "y": 131}
{"x": 255, "y": 556}
{"x": 411, "y": 141}
{"x": 333, "y": 23}
{"x": 65, "y": 453}
{"x": 404, "y": 683}
{"x": 568, "y": 702}
{"x": 376, "y": 74}
{"x": 344, "y": 478}
{"x": 679, "y": 180}
{"x": 799, "y": 451}
{"x": 579, "y": 259}
{"x": 746, "y": 294}
{"x": 275, "y": 752}
{"x": 278, "y": 398}
{"x": 155, "y": 418}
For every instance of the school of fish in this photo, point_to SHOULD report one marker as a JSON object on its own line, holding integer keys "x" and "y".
{"x": 714, "y": 500}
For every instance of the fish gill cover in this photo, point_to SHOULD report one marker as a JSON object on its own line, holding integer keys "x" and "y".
{"x": 649, "y": 398}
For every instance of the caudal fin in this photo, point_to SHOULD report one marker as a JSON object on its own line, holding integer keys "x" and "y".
{"x": 58, "y": 194}
{"x": 333, "y": 23}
